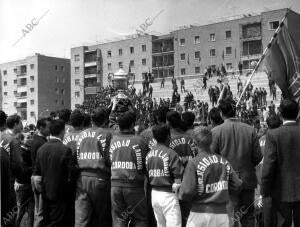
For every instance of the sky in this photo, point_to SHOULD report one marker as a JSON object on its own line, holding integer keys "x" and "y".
{"x": 53, "y": 27}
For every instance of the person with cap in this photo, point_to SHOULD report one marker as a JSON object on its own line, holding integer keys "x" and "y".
{"x": 94, "y": 171}
{"x": 207, "y": 181}
{"x": 128, "y": 174}
{"x": 164, "y": 172}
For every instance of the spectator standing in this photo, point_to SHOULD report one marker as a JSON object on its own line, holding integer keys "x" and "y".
{"x": 150, "y": 91}
{"x": 240, "y": 66}
{"x": 64, "y": 115}
{"x": 182, "y": 85}
{"x": 162, "y": 83}
{"x": 238, "y": 143}
{"x": 204, "y": 82}
{"x": 281, "y": 169}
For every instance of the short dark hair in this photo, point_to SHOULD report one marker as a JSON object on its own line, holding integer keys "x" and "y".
{"x": 202, "y": 136}
{"x": 64, "y": 115}
{"x": 228, "y": 108}
{"x": 289, "y": 109}
{"x": 126, "y": 120}
{"x": 161, "y": 132}
{"x": 43, "y": 122}
{"x": 76, "y": 118}
{"x": 174, "y": 119}
{"x": 100, "y": 116}
{"x": 53, "y": 114}
{"x": 56, "y": 127}
{"x": 3, "y": 118}
{"x": 215, "y": 116}
{"x": 188, "y": 119}
{"x": 273, "y": 121}
{"x": 86, "y": 120}
{"x": 12, "y": 120}
{"x": 160, "y": 115}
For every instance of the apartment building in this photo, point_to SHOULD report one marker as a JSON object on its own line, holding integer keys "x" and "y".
{"x": 35, "y": 86}
{"x": 186, "y": 51}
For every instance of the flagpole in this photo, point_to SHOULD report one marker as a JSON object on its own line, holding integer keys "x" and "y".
{"x": 263, "y": 56}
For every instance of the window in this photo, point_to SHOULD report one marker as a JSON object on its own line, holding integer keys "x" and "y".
{"x": 5, "y": 93}
{"x": 212, "y": 37}
{"x": 15, "y": 81}
{"x": 76, "y": 69}
{"x": 5, "y": 83}
{"x": 197, "y": 70}
{"x": 228, "y": 34}
{"x": 63, "y": 91}
{"x": 32, "y": 89}
{"x": 15, "y": 92}
{"x": 182, "y": 42}
{"x": 121, "y": 65}
{"x": 31, "y": 66}
{"x": 144, "y": 61}
{"x": 32, "y": 114}
{"x": 76, "y": 57}
{"x": 109, "y": 54}
{"x": 15, "y": 70}
{"x": 132, "y": 63}
{"x": 212, "y": 52}
{"x": 23, "y": 94}
{"x": 56, "y": 67}
{"x": 77, "y": 81}
{"x": 144, "y": 48}
{"x": 77, "y": 94}
{"x": 182, "y": 56}
{"x": 62, "y": 102}
{"x": 197, "y": 54}
{"x": 197, "y": 40}
{"x": 31, "y": 101}
{"x": 120, "y": 52}
{"x": 4, "y": 72}
{"x": 23, "y": 82}
{"x": 228, "y": 50}
{"x": 182, "y": 71}
{"x": 109, "y": 66}
{"x": 131, "y": 50}
{"x": 228, "y": 66}
{"x": 274, "y": 25}
{"x": 31, "y": 78}
{"x": 62, "y": 68}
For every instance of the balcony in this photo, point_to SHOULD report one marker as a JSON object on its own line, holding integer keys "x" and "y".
{"x": 89, "y": 64}
{"x": 91, "y": 90}
{"x": 251, "y": 31}
{"x": 94, "y": 75}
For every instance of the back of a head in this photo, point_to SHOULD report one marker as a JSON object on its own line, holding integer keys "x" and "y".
{"x": 42, "y": 122}
{"x": 76, "y": 118}
{"x": 202, "y": 136}
{"x": 273, "y": 122}
{"x": 215, "y": 116}
{"x": 86, "y": 121}
{"x": 12, "y": 120}
{"x": 100, "y": 116}
{"x": 174, "y": 119}
{"x": 3, "y": 118}
{"x": 227, "y": 107}
{"x": 56, "y": 127}
{"x": 64, "y": 115}
{"x": 126, "y": 120}
{"x": 188, "y": 119}
{"x": 289, "y": 109}
{"x": 161, "y": 114}
{"x": 161, "y": 133}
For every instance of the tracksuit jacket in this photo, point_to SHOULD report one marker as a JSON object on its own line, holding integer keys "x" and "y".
{"x": 92, "y": 152}
{"x": 207, "y": 180}
{"x": 127, "y": 156}
{"x": 164, "y": 168}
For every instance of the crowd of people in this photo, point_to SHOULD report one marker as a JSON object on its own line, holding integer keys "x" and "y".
{"x": 133, "y": 161}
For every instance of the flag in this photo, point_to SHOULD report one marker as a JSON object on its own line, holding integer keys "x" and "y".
{"x": 283, "y": 63}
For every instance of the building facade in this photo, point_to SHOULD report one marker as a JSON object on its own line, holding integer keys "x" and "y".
{"x": 34, "y": 86}
{"x": 183, "y": 52}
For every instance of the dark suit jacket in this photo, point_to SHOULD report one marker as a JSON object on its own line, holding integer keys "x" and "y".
{"x": 54, "y": 164}
{"x": 281, "y": 166}
{"x": 238, "y": 143}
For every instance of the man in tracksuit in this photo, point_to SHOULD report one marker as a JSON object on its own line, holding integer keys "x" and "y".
{"x": 164, "y": 172}
{"x": 93, "y": 163}
{"x": 71, "y": 140}
{"x": 128, "y": 172}
{"x": 207, "y": 181}
{"x": 182, "y": 143}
